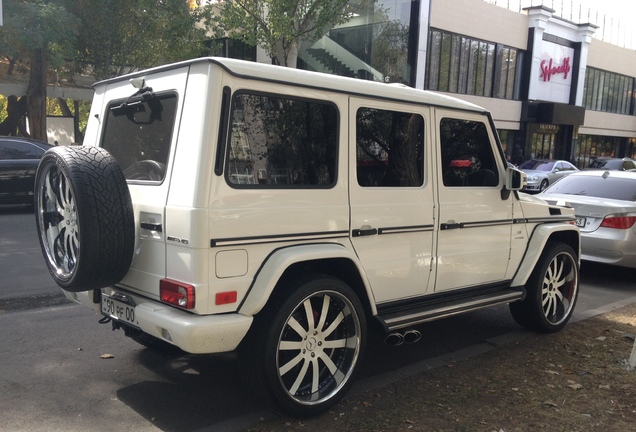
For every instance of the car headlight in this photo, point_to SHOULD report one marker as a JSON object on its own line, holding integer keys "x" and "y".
{"x": 533, "y": 178}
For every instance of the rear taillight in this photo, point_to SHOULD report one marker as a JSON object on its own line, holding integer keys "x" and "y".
{"x": 177, "y": 293}
{"x": 619, "y": 222}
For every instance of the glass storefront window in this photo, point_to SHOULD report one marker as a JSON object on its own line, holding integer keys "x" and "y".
{"x": 459, "y": 64}
{"x": 609, "y": 92}
{"x": 591, "y": 147}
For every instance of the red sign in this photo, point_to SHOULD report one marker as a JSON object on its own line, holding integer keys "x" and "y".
{"x": 547, "y": 69}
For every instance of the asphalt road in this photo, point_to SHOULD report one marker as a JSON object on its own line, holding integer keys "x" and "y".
{"x": 53, "y": 376}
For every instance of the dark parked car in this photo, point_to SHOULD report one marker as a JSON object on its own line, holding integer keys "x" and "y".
{"x": 614, "y": 164}
{"x": 19, "y": 159}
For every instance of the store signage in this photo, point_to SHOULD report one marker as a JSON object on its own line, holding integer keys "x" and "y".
{"x": 548, "y": 69}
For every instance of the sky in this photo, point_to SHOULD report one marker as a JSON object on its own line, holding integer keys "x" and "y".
{"x": 616, "y": 18}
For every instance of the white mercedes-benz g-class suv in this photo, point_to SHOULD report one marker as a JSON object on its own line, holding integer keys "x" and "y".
{"x": 221, "y": 205}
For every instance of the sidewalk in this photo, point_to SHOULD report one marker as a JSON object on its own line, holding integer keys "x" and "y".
{"x": 573, "y": 380}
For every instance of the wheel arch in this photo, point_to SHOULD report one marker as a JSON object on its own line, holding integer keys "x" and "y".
{"x": 292, "y": 262}
{"x": 564, "y": 233}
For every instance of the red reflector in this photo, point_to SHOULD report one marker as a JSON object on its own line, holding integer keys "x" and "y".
{"x": 619, "y": 222}
{"x": 176, "y": 293}
{"x": 226, "y": 297}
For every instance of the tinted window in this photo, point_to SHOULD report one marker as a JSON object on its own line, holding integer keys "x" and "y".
{"x": 389, "y": 148}
{"x": 467, "y": 157}
{"x": 539, "y": 165}
{"x": 19, "y": 150}
{"x": 611, "y": 187}
{"x": 138, "y": 133}
{"x": 276, "y": 141}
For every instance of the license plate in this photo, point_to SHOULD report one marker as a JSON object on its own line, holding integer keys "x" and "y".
{"x": 118, "y": 310}
{"x": 580, "y": 222}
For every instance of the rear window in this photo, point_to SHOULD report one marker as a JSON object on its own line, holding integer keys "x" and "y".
{"x": 609, "y": 164}
{"x": 610, "y": 187}
{"x": 138, "y": 133}
{"x": 539, "y": 165}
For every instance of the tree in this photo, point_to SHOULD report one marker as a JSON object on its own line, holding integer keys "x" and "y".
{"x": 120, "y": 36}
{"x": 36, "y": 32}
{"x": 280, "y": 26}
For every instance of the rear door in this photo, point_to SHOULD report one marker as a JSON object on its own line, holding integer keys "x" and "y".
{"x": 475, "y": 222}
{"x": 391, "y": 196}
{"x": 140, "y": 130}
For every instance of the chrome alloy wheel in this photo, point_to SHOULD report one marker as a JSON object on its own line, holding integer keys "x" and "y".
{"x": 318, "y": 347}
{"x": 559, "y": 288}
{"x": 58, "y": 221}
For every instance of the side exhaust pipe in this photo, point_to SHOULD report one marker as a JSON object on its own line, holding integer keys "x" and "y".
{"x": 394, "y": 339}
{"x": 412, "y": 336}
{"x": 408, "y": 337}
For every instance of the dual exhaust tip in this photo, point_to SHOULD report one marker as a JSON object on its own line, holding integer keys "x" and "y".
{"x": 397, "y": 338}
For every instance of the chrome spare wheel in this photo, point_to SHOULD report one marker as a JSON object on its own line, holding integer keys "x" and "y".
{"x": 84, "y": 217}
{"x": 58, "y": 222}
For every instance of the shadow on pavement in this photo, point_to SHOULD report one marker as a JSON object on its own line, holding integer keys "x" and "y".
{"x": 199, "y": 392}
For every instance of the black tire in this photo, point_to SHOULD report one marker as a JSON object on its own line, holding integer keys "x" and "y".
{"x": 84, "y": 217}
{"x": 552, "y": 291}
{"x": 544, "y": 185}
{"x": 318, "y": 326}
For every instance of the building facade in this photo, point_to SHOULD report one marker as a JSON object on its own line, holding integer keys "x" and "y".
{"x": 554, "y": 89}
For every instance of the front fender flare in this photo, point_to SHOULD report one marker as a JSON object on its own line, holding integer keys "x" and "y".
{"x": 540, "y": 237}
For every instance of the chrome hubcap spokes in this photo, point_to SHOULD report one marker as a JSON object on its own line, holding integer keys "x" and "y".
{"x": 559, "y": 288}
{"x": 318, "y": 347}
{"x": 58, "y": 221}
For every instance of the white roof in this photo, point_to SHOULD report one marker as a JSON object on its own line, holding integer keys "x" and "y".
{"x": 280, "y": 74}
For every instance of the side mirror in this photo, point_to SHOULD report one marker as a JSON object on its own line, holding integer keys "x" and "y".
{"x": 515, "y": 179}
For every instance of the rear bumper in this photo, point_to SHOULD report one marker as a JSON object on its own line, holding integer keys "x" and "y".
{"x": 196, "y": 334}
{"x": 609, "y": 246}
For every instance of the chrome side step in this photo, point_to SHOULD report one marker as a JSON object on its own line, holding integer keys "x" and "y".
{"x": 424, "y": 312}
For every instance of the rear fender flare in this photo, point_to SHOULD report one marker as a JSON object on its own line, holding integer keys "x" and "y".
{"x": 274, "y": 267}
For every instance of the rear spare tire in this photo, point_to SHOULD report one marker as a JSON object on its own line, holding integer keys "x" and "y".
{"x": 84, "y": 216}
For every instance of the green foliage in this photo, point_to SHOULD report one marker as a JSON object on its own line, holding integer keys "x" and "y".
{"x": 37, "y": 24}
{"x": 119, "y": 36}
{"x": 279, "y": 26}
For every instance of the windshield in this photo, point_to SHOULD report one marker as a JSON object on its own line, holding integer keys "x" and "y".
{"x": 610, "y": 187}
{"x": 138, "y": 133}
{"x": 539, "y": 165}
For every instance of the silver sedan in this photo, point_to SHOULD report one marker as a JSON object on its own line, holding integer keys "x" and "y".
{"x": 605, "y": 206}
{"x": 544, "y": 172}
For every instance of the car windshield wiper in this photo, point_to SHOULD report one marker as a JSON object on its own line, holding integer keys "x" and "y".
{"x": 136, "y": 103}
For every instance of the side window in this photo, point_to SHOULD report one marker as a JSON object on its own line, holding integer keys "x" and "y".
{"x": 277, "y": 141}
{"x": 389, "y": 148}
{"x": 467, "y": 156}
{"x": 19, "y": 150}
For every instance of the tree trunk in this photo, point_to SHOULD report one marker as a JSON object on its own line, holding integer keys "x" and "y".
{"x": 79, "y": 136}
{"x": 66, "y": 111}
{"x": 287, "y": 54}
{"x": 36, "y": 95}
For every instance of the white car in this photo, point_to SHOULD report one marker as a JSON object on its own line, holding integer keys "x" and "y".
{"x": 544, "y": 172}
{"x": 222, "y": 205}
{"x": 605, "y": 207}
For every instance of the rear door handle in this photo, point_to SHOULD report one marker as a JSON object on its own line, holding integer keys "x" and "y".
{"x": 451, "y": 225}
{"x": 364, "y": 231}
